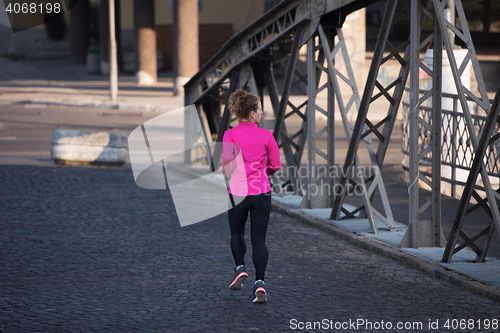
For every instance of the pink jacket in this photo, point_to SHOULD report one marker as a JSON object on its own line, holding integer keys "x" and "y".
{"x": 249, "y": 155}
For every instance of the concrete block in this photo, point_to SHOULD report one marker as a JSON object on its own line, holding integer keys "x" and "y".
{"x": 88, "y": 147}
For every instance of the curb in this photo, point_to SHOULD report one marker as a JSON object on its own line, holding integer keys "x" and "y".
{"x": 105, "y": 105}
{"x": 407, "y": 259}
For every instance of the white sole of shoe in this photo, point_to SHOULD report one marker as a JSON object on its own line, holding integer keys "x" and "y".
{"x": 260, "y": 297}
{"x": 237, "y": 283}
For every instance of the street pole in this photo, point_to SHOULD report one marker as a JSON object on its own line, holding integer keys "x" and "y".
{"x": 113, "y": 63}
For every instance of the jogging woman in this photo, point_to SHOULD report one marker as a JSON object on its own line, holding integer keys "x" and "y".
{"x": 250, "y": 154}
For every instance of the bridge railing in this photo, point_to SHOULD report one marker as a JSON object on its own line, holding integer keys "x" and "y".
{"x": 457, "y": 152}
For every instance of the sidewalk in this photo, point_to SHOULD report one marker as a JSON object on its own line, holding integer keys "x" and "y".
{"x": 57, "y": 82}
{"x": 483, "y": 279}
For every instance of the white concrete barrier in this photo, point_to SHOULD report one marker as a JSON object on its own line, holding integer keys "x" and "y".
{"x": 88, "y": 147}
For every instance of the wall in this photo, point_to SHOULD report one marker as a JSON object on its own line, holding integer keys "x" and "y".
{"x": 239, "y": 13}
{"x": 22, "y": 44}
{"x": 5, "y": 30}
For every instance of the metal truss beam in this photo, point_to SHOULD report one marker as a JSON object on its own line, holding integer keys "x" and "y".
{"x": 363, "y": 128}
{"x": 280, "y": 33}
{"x": 281, "y": 134}
{"x": 318, "y": 194}
{"x": 422, "y": 230}
{"x": 344, "y": 108}
{"x": 482, "y": 101}
{"x": 487, "y": 138}
{"x": 267, "y": 37}
{"x": 239, "y": 79}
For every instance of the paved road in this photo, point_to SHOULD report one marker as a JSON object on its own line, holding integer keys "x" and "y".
{"x": 85, "y": 249}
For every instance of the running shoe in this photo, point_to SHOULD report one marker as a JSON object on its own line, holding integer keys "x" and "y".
{"x": 240, "y": 276}
{"x": 259, "y": 292}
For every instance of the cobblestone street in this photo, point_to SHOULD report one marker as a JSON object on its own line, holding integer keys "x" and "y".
{"x": 85, "y": 249}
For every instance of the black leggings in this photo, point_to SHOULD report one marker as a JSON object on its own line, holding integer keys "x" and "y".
{"x": 259, "y": 207}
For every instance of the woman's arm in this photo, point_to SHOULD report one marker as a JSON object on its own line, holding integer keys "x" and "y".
{"x": 273, "y": 156}
{"x": 228, "y": 155}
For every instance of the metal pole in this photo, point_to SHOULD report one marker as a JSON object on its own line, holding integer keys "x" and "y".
{"x": 331, "y": 138}
{"x": 311, "y": 132}
{"x": 414, "y": 125}
{"x": 435, "y": 230}
{"x": 113, "y": 70}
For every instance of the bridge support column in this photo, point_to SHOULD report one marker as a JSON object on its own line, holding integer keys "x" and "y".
{"x": 145, "y": 42}
{"x": 80, "y": 31}
{"x": 104, "y": 35}
{"x": 186, "y": 57}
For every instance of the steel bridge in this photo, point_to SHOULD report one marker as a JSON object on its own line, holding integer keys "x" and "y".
{"x": 248, "y": 59}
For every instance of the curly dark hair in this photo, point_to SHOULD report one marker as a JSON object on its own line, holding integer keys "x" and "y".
{"x": 242, "y": 103}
